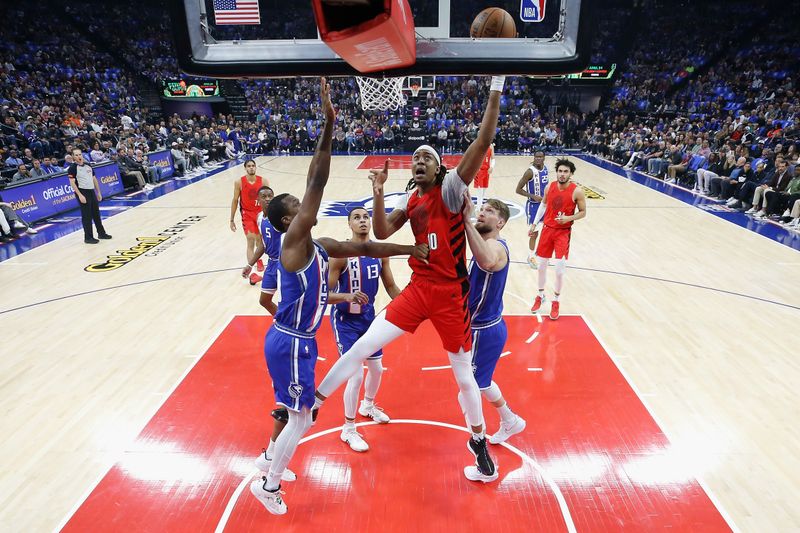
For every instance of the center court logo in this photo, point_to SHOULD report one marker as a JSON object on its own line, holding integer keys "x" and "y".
{"x": 341, "y": 208}
{"x": 142, "y": 246}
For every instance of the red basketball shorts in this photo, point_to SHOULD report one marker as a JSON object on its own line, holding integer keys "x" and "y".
{"x": 481, "y": 179}
{"x": 554, "y": 240}
{"x": 445, "y": 303}
{"x": 250, "y": 222}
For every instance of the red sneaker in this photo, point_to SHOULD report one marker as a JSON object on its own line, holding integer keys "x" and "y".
{"x": 255, "y": 278}
{"x": 260, "y": 266}
{"x": 554, "y": 311}
{"x": 537, "y": 304}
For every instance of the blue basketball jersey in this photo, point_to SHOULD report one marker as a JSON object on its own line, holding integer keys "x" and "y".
{"x": 538, "y": 181}
{"x": 304, "y": 294}
{"x": 486, "y": 292}
{"x": 271, "y": 237}
{"x": 360, "y": 274}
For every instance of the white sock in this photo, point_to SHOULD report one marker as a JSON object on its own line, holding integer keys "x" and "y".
{"x": 270, "y": 449}
{"x": 555, "y": 296}
{"x": 373, "y": 380}
{"x": 351, "y": 393}
{"x": 506, "y": 414}
{"x": 286, "y": 445}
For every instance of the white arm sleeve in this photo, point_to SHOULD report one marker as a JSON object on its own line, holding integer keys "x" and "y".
{"x": 539, "y": 214}
{"x": 453, "y": 188}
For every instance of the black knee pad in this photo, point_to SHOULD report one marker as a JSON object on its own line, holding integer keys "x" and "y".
{"x": 281, "y": 414}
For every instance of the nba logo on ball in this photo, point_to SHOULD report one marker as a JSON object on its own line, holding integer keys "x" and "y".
{"x": 531, "y": 10}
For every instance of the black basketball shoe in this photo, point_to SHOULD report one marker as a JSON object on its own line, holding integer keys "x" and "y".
{"x": 484, "y": 469}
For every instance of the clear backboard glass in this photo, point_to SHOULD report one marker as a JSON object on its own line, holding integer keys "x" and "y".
{"x": 283, "y": 40}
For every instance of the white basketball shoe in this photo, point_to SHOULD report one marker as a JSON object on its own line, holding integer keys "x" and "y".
{"x": 272, "y": 500}
{"x": 374, "y": 412}
{"x": 354, "y": 439}
{"x": 508, "y": 430}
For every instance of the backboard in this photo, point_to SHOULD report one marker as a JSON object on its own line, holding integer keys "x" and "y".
{"x": 282, "y": 39}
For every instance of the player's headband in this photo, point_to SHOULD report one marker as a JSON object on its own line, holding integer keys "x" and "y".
{"x": 429, "y": 148}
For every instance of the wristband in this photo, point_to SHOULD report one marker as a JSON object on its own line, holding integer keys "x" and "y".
{"x": 497, "y": 83}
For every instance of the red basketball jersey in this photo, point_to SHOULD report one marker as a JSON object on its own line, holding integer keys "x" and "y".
{"x": 433, "y": 224}
{"x": 487, "y": 161}
{"x": 248, "y": 201}
{"x": 559, "y": 203}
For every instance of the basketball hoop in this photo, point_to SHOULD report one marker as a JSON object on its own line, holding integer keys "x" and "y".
{"x": 381, "y": 93}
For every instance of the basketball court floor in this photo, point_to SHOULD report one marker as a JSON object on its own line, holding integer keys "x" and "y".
{"x": 135, "y": 396}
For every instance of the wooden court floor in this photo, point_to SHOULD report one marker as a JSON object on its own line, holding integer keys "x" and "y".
{"x": 700, "y": 315}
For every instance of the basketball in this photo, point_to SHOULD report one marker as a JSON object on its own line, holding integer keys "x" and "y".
{"x": 493, "y": 22}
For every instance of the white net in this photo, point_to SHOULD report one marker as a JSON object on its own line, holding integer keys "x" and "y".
{"x": 381, "y": 93}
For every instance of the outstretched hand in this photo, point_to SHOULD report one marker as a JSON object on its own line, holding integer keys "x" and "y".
{"x": 379, "y": 176}
{"x": 421, "y": 252}
{"x": 325, "y": 98}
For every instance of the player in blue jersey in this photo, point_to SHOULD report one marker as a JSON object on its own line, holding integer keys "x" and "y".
{"x": 531, "y": 186}
{"x": 351, "y": 320}
{"x": 290, "y": 346}
{"x": 488, "y": 272}
{"x": 269, "y": 244}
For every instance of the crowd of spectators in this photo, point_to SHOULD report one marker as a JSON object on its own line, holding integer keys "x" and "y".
{"x": 688, "y": 107}
{"x": 731, "y": 133}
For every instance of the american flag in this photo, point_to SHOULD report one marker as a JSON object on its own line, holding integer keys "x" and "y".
{"x": 236, "y": 12}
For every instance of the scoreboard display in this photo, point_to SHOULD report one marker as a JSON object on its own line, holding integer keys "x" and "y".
{"x": 188, "y": 88}
{"x": 592, "y": 72}
{"x": 595, "y": 72}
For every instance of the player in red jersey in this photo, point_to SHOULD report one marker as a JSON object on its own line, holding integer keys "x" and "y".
{"x": 481, "y": 182}
{"x": 559, "y": 204}
{"x": 439, "y": 287}
{"x": 245, "y": 197}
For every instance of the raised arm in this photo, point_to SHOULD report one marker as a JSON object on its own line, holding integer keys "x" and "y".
{"x": 318, "y": 171}
{"x": 489, "y": 254}
{"x": 473, "y": 157}
{"x": 387, "y": 277}
{"x": 237, "y": 191}
{"x": 372, "y": 249}
{"x": 384, "y": 226}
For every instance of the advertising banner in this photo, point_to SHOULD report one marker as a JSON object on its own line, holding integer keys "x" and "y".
{"x": 50, "y": 197}
{"x": 163, "y": 160}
